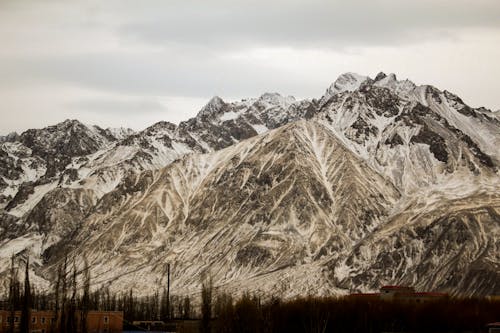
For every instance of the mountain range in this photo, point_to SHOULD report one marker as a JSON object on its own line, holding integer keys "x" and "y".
{"x": 379, "y": 181}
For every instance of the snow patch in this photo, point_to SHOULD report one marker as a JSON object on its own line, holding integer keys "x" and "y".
{"x": 33, "y": 199}
{"x": 259, "y": 128}
{"x": 229, "y": 116}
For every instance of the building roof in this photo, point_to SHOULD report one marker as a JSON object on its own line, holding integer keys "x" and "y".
{"x": 434, "y": 294}
{"x": 396, "y": 287}
{"x": 365, "y": 294}
{"x": 399, "y": 291}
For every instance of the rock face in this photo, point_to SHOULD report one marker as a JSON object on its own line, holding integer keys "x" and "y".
{"x": 377, "y": 182}
{"x": 452, "y": 245}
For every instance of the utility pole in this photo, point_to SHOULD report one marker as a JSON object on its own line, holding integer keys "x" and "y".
{"x": 168, "y": 291}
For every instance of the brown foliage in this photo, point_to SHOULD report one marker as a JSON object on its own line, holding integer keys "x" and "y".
{"x": 346, "y": 314}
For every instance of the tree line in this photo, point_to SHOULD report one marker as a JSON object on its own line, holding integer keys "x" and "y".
{"x": 249, "y": 314}
{"x": 71, "y": 298}
{"x": 220, "y": 312}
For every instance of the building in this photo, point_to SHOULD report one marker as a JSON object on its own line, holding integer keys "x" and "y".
{"x": 45, "y": 321}
{"x": 494, "y": 327}
{"x": 366, "y": 297}
{"x": 392, "y": 292}
{"x": 401, "y": 293}
{"x": 149, "y": 325}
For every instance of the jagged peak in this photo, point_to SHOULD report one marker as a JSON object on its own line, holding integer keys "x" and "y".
{"x": 270, "y": 95}
{"x": 448, "y": 94}
{"x": 64, "y": 125}
{"x": 120, "y": 130}
{"x": 390, "y": 81}
{"x": 380, "y": 76}
{"x": 161, "y": 125}
{"x": 276, "y": 99}
{"x": 387, "y": 81}
{"x": 215, "y": 100}
{"x": 11, "y": 137}
{"x": 70, "y": 122}
{"x": 345, "y": 82}
{"x": 213, "y": 105}
{"x": 391, "y": 77}
{"x": 352, "y": 82}
{"x": 348, "y": 81}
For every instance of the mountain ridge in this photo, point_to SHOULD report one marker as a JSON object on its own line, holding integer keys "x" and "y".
{"x": 291, "y": 189}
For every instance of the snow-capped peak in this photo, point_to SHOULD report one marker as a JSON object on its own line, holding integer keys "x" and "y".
{"x": 213, "y": 105}
{"x": 161, "y": 127}
{"x": 120, "y": 133}
{"x": 348, "y": 82}
{"x": 380, "y": 76}
{"x": 276, "y": 99}
{"x": 391, "y": 82}
{"x": 71, "y": 123}
{"x": 345, "y": 82}
{"x": 12, "y": 136}
{"x": 387, "y": 79}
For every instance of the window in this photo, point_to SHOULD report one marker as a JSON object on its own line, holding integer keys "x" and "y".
{"x": 33, "y": 320}
{"x": 16, "y": 319}
{"x": 42, "y": 320}
{"x": 53, "y": 320}
{"x": 9, "y": 320}
{"x": 43, "y": 330}
{"x": 106, "y": 319}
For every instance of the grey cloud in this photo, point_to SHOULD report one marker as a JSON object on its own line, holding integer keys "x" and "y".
{"x": 197, "y": 49}
{"x": 153, "y": 74}
{"x": 117, "y": 106}
{"x": 311, "y": 24}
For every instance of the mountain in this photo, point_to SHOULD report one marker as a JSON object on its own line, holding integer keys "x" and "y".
{"x": 266, "y": 203}
{"x": 379, "y": 181}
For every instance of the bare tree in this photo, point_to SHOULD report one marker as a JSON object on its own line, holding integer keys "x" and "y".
{"x": 13, "y": 293}
{"x": 57, "y": 287}
{"x": 85, "y": 297}
{"x": 64, "y": 296}
{"x": 164, "y": 305}
{"x": 206, "y": 304}
{"x": 186, "y": 308}
{"x": 26, "y": 307}
{"x": 71, "y": 312}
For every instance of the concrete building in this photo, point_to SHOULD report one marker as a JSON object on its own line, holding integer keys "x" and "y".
{"x": 392, "y": 292}
{"x": 401, "y": 293}
{"x": 45, "y": 321}
{"x": 494, "y": 327}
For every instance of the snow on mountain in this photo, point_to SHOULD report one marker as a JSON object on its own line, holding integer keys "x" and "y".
{"x": 13, "y": 136}
{"x": 374, "y": 183}
{"x": 449, "y": 245}
{"x": 345, "y": 82}
{"x": 119, "y": 133}
{"x": 256, "y": 188}
{"x": 415, "y": 136}
{"x": 32, "y": 163}
{"x": 402, "y": 88}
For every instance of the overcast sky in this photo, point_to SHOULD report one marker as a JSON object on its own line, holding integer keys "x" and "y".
{"x": 132, "y": 63}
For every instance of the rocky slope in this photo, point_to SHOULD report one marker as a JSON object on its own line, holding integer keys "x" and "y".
{"x": 377, "y": 182}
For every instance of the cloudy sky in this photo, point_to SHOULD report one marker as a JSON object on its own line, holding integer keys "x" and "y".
{"x": 131, "y": 63}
